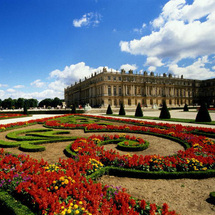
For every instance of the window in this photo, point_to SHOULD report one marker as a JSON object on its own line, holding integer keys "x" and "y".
{"x": 128, "y": 90}
{"x": 120, "y": 91}
{"x": 114, "y": 90}
{"x": 114, "y": 78}
{"x": 109, "y": 90}
{"x": 109, "y": 78}
{"x": 120, "y": 78}
{"x": 129, "y": 101}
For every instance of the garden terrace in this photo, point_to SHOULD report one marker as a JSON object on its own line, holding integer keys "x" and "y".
{"x": 70, "y": 181}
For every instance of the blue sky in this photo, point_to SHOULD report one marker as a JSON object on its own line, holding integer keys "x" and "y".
{"x": 46, "y": 45}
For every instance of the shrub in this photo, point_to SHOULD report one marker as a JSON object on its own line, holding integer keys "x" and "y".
{"x": 109, "y": 111}
{"x": 73, "y": 109}
{"x": 186, "y": 107}
{"x": 25, "y": 111}
{"x": 203, "y": 114}
{"x": 138, "y": 112}
{"x": 164, "y": 114}
{"x": 121, "y": 110}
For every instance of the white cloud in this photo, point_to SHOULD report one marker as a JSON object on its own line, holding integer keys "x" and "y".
{"x": 176, "y": 39}
{"x": 197, "y": 70}
{"x": 87, "y": 20}
{"x": 38, "y": 83}
{"x": 153, "y": 61}
{"x": 181, "y": 31}
{"x": 140, "y": 30}
{"x": 3, "y": 85}
{"x": 19, "y": 86}
{"x": 128, "y": 67}
{"x": 213, "y": 68}
{"x": 73, "y": 73}
{"x": 152, "y": 69}
{"x": 10, "y": 90}
{"x": 2, "y": 93}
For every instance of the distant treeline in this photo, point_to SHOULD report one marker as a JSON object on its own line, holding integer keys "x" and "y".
{"x": 30, "y": 103}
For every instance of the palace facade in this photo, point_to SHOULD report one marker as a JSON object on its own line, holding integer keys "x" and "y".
{"x": 132, "y": 88}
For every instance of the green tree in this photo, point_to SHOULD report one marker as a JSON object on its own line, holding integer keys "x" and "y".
{"x": 121, "y": 110}
{"x": 164, "y": 114}
{"x": 203, "y": 114}
{"x": 20, "y": 103}
{"x": 138, "y": 112}
{"x": 109, "y": 110}
{"x": 8, "y": 103}
{"x": 46, "y": 102}
{"x": 56, "y": 101}
{"x": 32, "y": 103}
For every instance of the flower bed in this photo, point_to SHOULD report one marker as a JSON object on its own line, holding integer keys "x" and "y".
{"x": 11, "y": 115}
{"x": 67, "y": 186}
{"x": 63, "y": 188}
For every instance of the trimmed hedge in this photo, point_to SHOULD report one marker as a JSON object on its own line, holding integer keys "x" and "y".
{"x": 140, "y": 147}
{"x": 9, "y": 205}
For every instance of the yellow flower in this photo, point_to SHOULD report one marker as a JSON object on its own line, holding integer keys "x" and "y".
{"x": 56, "y": 187}
{"x": 75, "y": 206}
{"x": 77, "y": 212}
{"x": 69, "y": 211}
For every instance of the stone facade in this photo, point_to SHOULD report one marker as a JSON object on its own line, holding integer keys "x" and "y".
{"x": 132, "y": 88}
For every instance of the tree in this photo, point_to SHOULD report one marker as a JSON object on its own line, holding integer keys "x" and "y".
{"x": 164, "y": 114}
{"x": 186, "y": 107}
{"x": 55, "y": 102}
{"x": 46, "y": 102}
{"x": 33, "y": 102}
{"x": 8, "y": 103}
{"x": 203, "y": 114}
{"x": 138, "y": 112}
{"x": 109, "y": 110}
{"x": 121, "y": 110}
{"x": 20, "y": 103}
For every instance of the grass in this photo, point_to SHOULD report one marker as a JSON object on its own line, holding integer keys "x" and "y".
{"x": 168, "y": 120}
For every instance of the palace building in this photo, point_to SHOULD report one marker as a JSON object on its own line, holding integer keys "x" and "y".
{"x": 132, "y": 88}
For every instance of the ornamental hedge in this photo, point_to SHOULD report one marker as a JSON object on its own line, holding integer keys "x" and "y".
{"x": 67, "y": 187}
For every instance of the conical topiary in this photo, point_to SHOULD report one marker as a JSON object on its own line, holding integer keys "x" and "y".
{"x": 25, "y": 108}
{"x": 109, "y": 110}
{"x": 138, "y": 112}
{"x": 73, "y": 109}
{"x": 121, "y": 110}
{"x": 186, "y": 107}
{"x": 164, "y": 114}
{"x": 203, "y": 114}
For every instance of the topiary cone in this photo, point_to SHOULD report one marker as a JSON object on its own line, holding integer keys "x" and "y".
{"x": 203, "y": 114}
{"x": 164, "y": 114}
{"x": 186, "y": 107}
{"x": 138, "y": 112}
{"x": 109, "y": 110}
{"x": 121, "y": 110}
